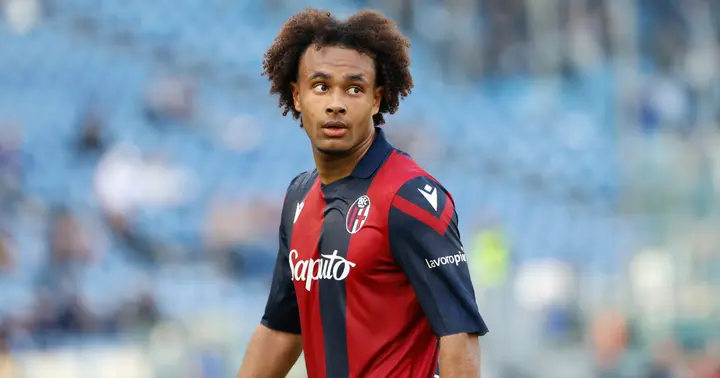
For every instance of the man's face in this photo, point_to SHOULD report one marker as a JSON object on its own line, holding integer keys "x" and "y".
{"x": 337, "y": 97}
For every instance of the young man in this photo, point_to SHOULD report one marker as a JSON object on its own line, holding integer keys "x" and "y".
{"x": 371, "y": 279}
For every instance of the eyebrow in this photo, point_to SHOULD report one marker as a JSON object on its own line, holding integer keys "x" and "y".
{"x": 351, "y": 77}
{"x": 356, "y": 77}
{"x": 320, "y": 75}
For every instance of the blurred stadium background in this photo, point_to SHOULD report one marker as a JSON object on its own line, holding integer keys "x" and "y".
{"x": 142, "y": 164}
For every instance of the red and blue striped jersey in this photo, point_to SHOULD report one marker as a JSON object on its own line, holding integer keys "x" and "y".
{"x": 371, "y": 270}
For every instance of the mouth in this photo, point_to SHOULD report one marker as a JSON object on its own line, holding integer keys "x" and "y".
{"x": 334, "y": 129}
{"x": 334, "y": 125}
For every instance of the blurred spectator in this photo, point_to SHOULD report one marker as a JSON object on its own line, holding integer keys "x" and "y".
{"x": 242, "y": 133}
{"x": 664, "y": 360}
{"x": 116, "y": 184}
{"x": 704, "y": 366}
{"x": 21, "y": 15}
{"x": 67, "y": 243}
{"x": 666, "y": 104}
{"x": 609, "y": 336}
{"x": 236, "y": 228}
{"x": 142, "y": 247}
{"x": 4, "y": 340}
{"x": 170, "y": 99}
{"x": 489, "y": 247}
{"x": 504, "y": 48}
{"x": 11, "y": 166}
{"x": 92, "y": 138}
{"x": 6, "y": 254}
{"x": 226, "y": 226}
{"x": 57, "y": 315}
{"x": 8, "y": 368}
{"x": 126, "y": 181}
{"x": 68, "y": 250}
{"x": 73, "y": 317}
{"x": 140, "y": 315}
{"x": 588, "y": 34}
{"x": 543, "y": 284}
{"x": 160, "y": 178}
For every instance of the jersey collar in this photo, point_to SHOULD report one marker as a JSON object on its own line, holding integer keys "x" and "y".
{"x": 374, "y": 157}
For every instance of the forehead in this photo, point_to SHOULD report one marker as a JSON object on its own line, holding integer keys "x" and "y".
{"x": 334, "y": 60}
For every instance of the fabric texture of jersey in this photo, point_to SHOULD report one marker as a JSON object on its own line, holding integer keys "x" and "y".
{"x": 371, "y": 270}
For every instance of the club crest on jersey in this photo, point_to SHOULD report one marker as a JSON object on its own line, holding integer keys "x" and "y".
{"x": 357, "y": 214}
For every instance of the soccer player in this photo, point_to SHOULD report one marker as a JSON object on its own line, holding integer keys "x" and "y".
{"x": 371, "y": 280}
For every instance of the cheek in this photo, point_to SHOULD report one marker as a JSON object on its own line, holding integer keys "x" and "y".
{"x": 310, "y": 104}
{"x": 368, "y": 104}
{"x": 371, "y": 99}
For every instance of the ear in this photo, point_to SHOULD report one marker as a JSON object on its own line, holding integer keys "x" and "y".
{"x": 296, "y": 96}
{"x": 378, "y": 96}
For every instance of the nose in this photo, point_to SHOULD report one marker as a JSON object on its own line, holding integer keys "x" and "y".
{"x": 335, "y": 107}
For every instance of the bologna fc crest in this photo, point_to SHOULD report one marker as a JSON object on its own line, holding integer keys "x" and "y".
{"x": 357, "y": 214}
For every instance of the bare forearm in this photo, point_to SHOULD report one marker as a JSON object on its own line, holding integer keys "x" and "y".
{"x": 460, "y": 356}
{"x": 270, "y": 354}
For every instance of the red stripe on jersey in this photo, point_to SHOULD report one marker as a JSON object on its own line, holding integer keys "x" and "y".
{"x": 387, "y": 333}
{"x": 305, "y": 237}
{"x": 351, "y": 219}
{"x": 438, "y": 224}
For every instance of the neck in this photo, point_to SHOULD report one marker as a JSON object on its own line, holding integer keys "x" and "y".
{"x": 332, "y": 167}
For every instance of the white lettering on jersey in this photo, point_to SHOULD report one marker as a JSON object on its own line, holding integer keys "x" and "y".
{"x": 447, "y": 260}
{"x": 329, "y": 267}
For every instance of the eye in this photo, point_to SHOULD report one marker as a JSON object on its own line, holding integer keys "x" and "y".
{"x": 354, "y": 90}
{"x": 320, "y": 88}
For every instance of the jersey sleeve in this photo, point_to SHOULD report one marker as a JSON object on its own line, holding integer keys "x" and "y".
{"x": 281, "y": 311}
{"x": 425, "y": 242}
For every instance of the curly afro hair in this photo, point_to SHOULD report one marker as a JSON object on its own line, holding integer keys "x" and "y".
{"x": 368, "y": 32}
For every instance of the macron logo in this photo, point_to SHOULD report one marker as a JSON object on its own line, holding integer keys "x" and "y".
{"x": 430, "y": 195}
{"x": 298, "y": 209}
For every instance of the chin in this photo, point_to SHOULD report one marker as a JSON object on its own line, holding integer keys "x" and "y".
{"x": 334, "y": 149}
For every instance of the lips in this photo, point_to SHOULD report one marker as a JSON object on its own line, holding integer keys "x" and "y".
{"x": 334, "y": 129}
{"x": 334, "y": 125}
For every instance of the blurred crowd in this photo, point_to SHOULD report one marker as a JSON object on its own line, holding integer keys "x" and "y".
{"x": 656, "y": 315}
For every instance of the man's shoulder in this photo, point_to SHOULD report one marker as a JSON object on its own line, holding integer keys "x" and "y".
{"x": 423, "y": 192}
{"x": 411, "y": 185}
{"x": 412, "y": 179}
{"x": 301, "y": 184}
{"x": 419, "y": 202}
{"x": 298, "y": 188}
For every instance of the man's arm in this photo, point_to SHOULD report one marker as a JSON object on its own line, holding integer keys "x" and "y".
{"x": 276, "y": 344}
{"x": 271, "y": 354}
{"x": 425, "y": 242}
{"x": 460, "y": 356}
